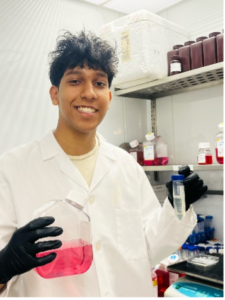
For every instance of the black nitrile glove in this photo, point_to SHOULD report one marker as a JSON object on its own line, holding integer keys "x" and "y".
{"x": 19, "y": 255}
{"x": 194, "y": 187}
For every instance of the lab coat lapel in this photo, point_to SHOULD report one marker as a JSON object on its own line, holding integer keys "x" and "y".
{"x": 50, "y": 148}
{"x": 105, "y": 161}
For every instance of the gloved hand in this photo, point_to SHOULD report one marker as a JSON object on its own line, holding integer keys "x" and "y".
{"x": 19, "y": 255}
{"x": 194, "y": 187}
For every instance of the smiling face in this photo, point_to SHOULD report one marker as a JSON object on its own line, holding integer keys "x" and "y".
{"x": 83, "y": 97}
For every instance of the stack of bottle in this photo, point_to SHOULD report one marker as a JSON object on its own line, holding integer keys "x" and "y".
{"x": 203, "y": 230}
{"x": 153, "y": 151}
{"x": 206, "y": 50}
{"x": 189, "y": 251}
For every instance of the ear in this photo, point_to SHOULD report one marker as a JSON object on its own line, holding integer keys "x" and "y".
{"x": 110, "y": 98}
{"x": 54, "y": 95}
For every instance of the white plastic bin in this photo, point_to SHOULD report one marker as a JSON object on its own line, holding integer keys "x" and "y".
{"x": 143, "y": 40}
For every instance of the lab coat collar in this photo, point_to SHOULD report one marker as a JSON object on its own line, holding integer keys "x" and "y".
{"x": 50, "y": 147}
{"x": 105, "y": 160}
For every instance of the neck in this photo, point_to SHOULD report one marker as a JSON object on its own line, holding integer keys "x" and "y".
{"x": 75, "y": 143}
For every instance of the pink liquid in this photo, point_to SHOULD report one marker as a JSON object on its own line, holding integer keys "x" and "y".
{"x": 149, "y": 162}
{"x": 219, "y": 159}
{"x": 161, "y": 161}
{"x": 208, "y": 160}
{"x": 72, "y": 258}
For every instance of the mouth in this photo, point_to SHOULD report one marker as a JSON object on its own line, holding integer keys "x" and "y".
{"x": 86, "y": 109}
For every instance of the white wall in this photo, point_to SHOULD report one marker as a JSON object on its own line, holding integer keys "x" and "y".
{"x": 198, "y": 17}
{"x": 28, "y": 31}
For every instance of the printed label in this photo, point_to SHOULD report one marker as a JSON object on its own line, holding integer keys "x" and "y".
{"x": 148, "y": 152}
{"x": 201, "y": 158}
{"x": 134, "y": 155}
{"x": 175, "y": 67}
{"x": 220, "y": 147}
{"x": 125, "y": 46}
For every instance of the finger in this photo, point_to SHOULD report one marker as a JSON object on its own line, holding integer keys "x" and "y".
{"x": 200, "y": 192}
{"x": 44, "y": 246}
{"x": 45, "y": 232}
{"x": 194, "y": 187}
{"x": 37, "y": 223}
{"x": 184, "y": 170}
{"x": 191, "y": 179}
{"x": 41, "y": 261}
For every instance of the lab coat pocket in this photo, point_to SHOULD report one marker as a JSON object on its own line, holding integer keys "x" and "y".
{"x": 130, "y": 234}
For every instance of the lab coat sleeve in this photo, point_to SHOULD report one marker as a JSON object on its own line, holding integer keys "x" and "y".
{"x": 164, "y": 232}
{"x": 8, "y": 221}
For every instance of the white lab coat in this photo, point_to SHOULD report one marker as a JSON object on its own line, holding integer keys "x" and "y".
{"x": 130, "y": 230}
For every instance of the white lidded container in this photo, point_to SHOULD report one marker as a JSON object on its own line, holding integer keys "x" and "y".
{"x": 143, "y": 40}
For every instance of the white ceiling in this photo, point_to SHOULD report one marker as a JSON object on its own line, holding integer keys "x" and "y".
{"x": 130, "y": 6}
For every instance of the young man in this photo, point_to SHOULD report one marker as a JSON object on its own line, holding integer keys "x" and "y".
{"x": 130, "y": 231}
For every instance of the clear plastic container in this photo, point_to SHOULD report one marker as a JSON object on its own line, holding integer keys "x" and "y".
{"x": 204, "y": 154}
{"x": 185, "y": 252}
{"x": 161, "y": 152}
{"x": 75, "y": 255}
{"x": 219, "y": 144}
{"x": 203, "y": 260}
{"x": 137, "y": 152}
{"x": 178, "y": 195}
{"x": 208, "y": 222}
{"x": 149, "y": 149}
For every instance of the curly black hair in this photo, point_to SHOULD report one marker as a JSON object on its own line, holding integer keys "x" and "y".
{"x": 80, "y": 50}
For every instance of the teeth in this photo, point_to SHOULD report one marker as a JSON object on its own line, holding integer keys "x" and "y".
{"x": 86, "y": 109}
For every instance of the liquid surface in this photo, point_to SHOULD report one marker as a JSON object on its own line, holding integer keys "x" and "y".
{"x": 74, "y": 257}
{"x": 208, "y": 160}
{"x": 219, "y": 159}
{"x": 161, "y": 161}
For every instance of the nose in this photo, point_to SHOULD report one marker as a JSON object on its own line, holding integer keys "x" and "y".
{"x": 88, "y": 91}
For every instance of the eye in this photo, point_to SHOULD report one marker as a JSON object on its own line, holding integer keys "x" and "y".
{"x": 74, "y": 81}
{"x": 100, "y": 83}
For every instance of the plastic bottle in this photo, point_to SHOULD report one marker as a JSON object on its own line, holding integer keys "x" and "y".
{"x": 209, "y": 49}
{"x": 161, "y": 152}
{"x": 196, "y": 52}
{"x": 219, "y": 144}
{"x": 208, "y": 222}
{"x": 184, "y": 53}
{"x": 204, "y": 154}
{"x": 75, "y": 255}
{"x": 175, "y": 65}
{"x": 149, "y": 149}
{"x": 137, "y": 152}
{"x": 219, "y": 47}
{"x": 178, "y": 195}
{"x": 170, "y": 54}
{"x": 154, "y": 283}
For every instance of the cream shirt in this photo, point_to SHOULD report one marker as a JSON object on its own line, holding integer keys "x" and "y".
{"x": 86, "y": 163}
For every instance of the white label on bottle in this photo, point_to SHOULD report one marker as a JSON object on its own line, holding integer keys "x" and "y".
{"x": 175, "y": 67}
{"x": 201, "y": 158}
{"x": 220, "y": 147}
{"x": 134, "y": 155}
{"x": 148, "y": 152}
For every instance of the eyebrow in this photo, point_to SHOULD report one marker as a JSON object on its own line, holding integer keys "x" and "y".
{"x": 102, "y": 74}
